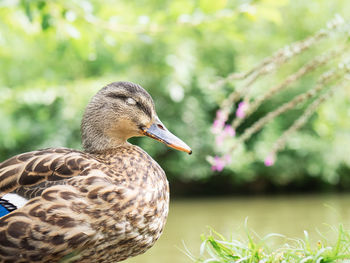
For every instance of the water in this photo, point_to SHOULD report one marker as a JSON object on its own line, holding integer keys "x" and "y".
{"x": 287, "y": 215}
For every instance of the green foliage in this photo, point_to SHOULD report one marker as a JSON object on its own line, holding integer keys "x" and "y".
{"x": 216, "y": 248}
{"x": 54, "y": 55}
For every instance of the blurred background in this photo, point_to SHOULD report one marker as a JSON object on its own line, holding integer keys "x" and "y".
{"x": 55, "y": 55}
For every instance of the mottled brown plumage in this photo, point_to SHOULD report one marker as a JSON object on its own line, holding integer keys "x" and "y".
{"x": 102, "y": 205}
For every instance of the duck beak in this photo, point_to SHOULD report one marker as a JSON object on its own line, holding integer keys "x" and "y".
{"x": 160, "y": 133}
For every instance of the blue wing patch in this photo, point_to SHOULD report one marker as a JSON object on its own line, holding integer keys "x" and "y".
{"x": 6, "y": 207}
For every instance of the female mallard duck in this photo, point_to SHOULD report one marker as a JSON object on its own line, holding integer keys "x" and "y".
{"x": 102, "y": 205}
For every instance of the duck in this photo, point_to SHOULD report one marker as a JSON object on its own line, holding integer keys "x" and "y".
{"x": 103, "y": 204}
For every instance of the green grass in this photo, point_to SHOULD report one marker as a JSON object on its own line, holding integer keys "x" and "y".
{"x": 217, "y": 249}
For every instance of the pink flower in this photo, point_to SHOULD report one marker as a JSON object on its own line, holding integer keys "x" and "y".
{"x": 217, "y": 127}
{"x": 220, "y": 162}
{"x": 228, "y": 130}
{"x": 220, "y": 115}
{"x": 218, "y": 165}
{"x": 219, "y": 122}
{"x": 219, "y": 139}
{"x": 221, "y": 134}
{"x": 242, "y": 107}
{"x": 270, "y": 160}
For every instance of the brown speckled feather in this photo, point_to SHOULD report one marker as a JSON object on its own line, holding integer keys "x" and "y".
{"x": 31, "y": 168}
{"x": 100, "y": 213}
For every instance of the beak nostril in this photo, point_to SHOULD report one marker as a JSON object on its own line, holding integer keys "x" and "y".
{"x": 160, "y": 126}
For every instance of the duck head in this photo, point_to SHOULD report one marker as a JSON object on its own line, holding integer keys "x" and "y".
{"x": 119, "y": 111}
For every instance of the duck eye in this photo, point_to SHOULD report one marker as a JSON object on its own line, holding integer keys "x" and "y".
{"x": 130, "y": 101}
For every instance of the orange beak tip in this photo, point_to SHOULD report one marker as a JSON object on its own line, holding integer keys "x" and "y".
{"x": 163, "y": 135}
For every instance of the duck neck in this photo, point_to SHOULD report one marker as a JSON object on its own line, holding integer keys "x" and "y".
{"x": 100, "y": 144}
{"x": 95, "y": 140}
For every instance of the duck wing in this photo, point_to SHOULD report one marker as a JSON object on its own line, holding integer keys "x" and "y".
{"x": 57, "y": 222}
{"x": 40, "y": 169}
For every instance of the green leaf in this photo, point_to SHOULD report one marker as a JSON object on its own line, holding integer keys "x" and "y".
{"x": 41, "y": 5}
{"x": 46, "y": 21}
{"x": 28, "y": 10}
